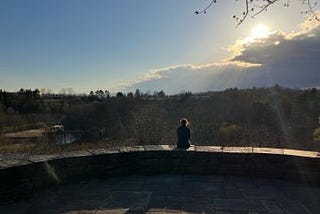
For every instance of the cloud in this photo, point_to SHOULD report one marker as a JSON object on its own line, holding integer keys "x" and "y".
{"x": 288, "y": 59}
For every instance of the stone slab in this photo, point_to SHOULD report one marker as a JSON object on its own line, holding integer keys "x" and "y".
{"x": 180, "y": 194}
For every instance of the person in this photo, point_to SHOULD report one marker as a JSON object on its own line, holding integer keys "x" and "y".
{"x": 183, "y": 134}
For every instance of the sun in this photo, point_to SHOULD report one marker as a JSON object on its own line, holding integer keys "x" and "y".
{"x": 260, "y": 31}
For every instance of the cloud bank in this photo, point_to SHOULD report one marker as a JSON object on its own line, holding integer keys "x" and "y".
{"x": 288, "y": 59}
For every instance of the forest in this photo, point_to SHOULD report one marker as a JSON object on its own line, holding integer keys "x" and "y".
{"x": 262, "y": 117}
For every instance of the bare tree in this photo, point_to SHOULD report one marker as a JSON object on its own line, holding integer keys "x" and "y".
{"x": 70, "y": 91}
{"x": 148, "y": 125}
{"x": 63, "y": 91}
{"x": 253, "y": 8}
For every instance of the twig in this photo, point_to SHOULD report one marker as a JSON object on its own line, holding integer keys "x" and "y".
{"x": 206, "y": 8}
{"x": 245, "y": 15}
{"x": 312, "y": 11}
{"x": 265, "y": 7}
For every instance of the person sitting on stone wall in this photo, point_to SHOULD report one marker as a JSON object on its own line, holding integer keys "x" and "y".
{"x": 183, "y": 134}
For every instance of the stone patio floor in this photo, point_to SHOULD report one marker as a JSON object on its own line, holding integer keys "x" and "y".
{"x": 173, "y": 194}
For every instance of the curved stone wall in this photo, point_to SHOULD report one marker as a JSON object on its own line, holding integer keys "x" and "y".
{"x": 27, "y": 174}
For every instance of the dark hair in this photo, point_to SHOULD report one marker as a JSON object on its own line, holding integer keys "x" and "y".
{"x": 183, "y": 121}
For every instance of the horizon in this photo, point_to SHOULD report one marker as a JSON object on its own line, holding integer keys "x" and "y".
{"x": 152, "y": 93}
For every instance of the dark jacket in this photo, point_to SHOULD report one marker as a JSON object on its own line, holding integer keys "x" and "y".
{"x": 183, "y": 134}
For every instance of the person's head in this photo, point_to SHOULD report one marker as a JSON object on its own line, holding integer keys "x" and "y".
{"x": 183, "y": 122}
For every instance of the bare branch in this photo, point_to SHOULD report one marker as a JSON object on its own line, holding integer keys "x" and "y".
{"x": 268, "y": 4}
{"x": 312, "y": 11}
{"x": 206, "y": 8}
{"x": 263, "y": 5}
{"x": 245, "y": 14}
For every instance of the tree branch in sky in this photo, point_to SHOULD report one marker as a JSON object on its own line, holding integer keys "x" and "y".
{"x": 253, "y": 8}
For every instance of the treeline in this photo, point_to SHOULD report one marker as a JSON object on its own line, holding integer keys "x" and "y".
{"x": 272, "y": 117}
{"x": 27, "y": 109}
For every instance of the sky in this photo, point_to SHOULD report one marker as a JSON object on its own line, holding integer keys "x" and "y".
{"x": 122, "y": 45}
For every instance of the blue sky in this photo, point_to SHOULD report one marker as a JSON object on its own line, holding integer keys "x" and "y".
{"x": 102, "y": 44}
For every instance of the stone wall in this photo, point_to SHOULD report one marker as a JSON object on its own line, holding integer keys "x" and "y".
{"x": 23, "y": 176}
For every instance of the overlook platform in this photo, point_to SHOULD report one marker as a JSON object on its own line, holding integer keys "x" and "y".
{"x": 161, "y": 178}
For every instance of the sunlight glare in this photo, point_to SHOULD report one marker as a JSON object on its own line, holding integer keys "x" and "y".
{"x": 260, "y": 31}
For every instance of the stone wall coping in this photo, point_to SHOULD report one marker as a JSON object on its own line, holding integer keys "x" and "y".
{"x": 15, "y": 160}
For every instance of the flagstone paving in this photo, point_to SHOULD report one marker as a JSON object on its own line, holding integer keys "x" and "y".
{"x": 173, "y": 194}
